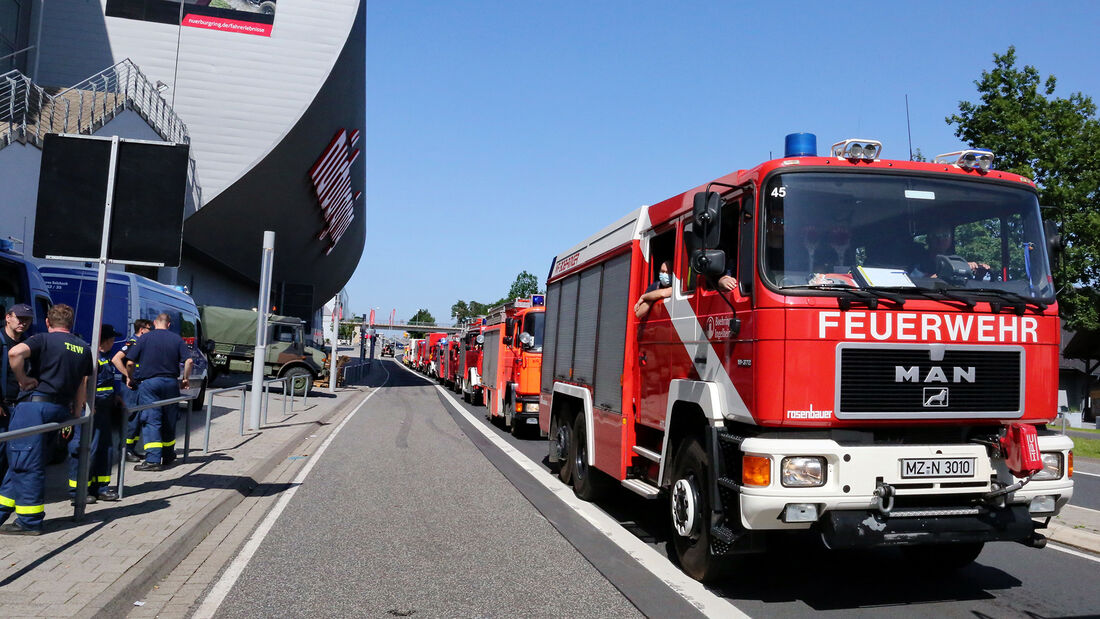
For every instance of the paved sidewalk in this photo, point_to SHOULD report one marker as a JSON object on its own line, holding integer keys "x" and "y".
{"x": 121, "y": 549}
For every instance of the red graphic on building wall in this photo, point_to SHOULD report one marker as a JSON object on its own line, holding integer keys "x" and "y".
{"x": 331, "y": 177}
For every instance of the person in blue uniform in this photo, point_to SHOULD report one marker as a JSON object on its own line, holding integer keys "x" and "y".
{"x": 158, "y": 355}
{"x": 53, "y": 390}
{"x": 126, "y": 368}
{"x": 17, "y": 321}
{"x": 101, "y": 450}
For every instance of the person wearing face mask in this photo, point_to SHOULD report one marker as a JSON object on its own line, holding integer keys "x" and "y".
{"x": 660, "y": 289}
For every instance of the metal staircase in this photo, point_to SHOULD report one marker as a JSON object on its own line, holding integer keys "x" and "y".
{"x": 29, "y": 111}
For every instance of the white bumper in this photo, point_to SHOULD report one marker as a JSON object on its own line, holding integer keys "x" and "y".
{"x": 854, "y": 471}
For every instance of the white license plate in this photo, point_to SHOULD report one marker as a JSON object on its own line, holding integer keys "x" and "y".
{"x": 912, "y": 468}
{"x": 532, "y": 420}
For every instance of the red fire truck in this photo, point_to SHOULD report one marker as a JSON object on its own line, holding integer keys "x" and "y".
{"x": 469, "y": 363}
{"x": 449, "y": 372}
{"x": 860, "y": 348}
{"x": 409, "y": 358}
{"x": 430, "y": 360}
{"x": 512, "y": 362}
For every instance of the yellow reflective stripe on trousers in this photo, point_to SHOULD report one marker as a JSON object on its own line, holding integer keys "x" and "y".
{"x": 103, "y": 479}
{"x": 131, "y": 441}
{"x": 169, "y": 443}
{"x": 29, "y": 509}
{"x": 6, "y": 502}
{"x": 153, "y": 445}
{"x": 104, "y": 388}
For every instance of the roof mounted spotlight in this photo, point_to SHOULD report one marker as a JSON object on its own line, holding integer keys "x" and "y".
{"x": 969, "y": 159}
{"x": 857, "y": 148}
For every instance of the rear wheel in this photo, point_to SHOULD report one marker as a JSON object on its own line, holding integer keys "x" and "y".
{"x": 563, "y": 436}
{"x": 589, "y": 483}
{"x": 690, "y": 510}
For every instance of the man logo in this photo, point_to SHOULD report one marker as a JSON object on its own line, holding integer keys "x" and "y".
{"x": 935, "y": 397}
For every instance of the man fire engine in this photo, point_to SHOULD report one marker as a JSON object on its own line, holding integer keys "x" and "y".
{"x": 512, "y": 362}
{"x": 862, "y": 348}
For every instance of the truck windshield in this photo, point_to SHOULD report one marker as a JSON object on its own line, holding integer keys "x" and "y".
{"x": 904, "y": 233}
{"x": 534, "y": 323}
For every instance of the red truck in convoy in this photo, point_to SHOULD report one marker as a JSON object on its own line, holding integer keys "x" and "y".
{"x": 859, "y": 348}
{"x": 512, "y": 362}
{"x": 429, "y": 359}
{"x": 469, "y": 362}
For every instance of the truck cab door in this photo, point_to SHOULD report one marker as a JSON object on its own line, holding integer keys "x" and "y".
{"x": 660, "y": 354}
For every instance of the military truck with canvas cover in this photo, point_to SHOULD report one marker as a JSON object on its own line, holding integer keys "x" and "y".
{"x": 232, "y": 344}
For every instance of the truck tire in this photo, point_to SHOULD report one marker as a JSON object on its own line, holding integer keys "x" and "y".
{"x": 200, "y": 400}
{"x": 298, "y": 371}
{"x": 928, "y": 558}
{"x": 563, "y": 434}
{"x": 589, "y": 483}
{"x": 267, "y": 8}
{"x": 689, "y": 505}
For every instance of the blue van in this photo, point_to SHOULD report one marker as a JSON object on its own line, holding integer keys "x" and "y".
{"x": 128, "y": 297}
{"x": 20, "y": 282}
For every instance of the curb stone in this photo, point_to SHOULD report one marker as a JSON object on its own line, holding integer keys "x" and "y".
{"x": 117, "y": 599}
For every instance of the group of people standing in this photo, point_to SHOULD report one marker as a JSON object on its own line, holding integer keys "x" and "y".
{"x": 45, "y": 380}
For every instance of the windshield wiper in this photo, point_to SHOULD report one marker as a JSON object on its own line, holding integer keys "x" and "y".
{"x": 870, "y": 296}
{"x": 1017, "y": 301}
{"x": 933, "y": 293}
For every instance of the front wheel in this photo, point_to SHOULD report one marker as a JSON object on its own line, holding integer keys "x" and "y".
{"x": 689, "y": 504}
{"x": 297, "y": 385}
{"x": 200, "y": 400}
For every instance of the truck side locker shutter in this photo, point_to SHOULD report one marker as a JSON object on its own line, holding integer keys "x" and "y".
{"x": 567, "y": 327}
{"x": 489, "y": 362}
{"x": 614, "y": 307}
{"x": 588, "y": 307}
{"x": 549, "y": 339}
{"x": 746, "y": 266}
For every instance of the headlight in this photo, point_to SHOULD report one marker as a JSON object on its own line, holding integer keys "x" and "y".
{"x": 1052, "y": 467}
{"x": 802, "y": 471}
{"x": 531, "y": 407}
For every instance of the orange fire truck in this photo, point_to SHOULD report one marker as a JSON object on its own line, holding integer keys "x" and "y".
{"x": 860, "y": 348}
{"x": 512, "y": 362}
{"x": 469, "y": 363}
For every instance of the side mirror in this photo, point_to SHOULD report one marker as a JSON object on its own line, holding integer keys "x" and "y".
{"x": 1056, "y": 245}
{"x": 709, "y": 263}
{"x": 508, "y": 340}
{"x": 510, "y": 327}
{"x": 707, "y": 210}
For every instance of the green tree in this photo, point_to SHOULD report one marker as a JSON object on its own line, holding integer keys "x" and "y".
{"x": 1052, "y": 141}
{"x": 525, "y": 285}
{"x": 347, "y": 331}
{"x": 460, "y": 310}
{"x": 421, "y": 317}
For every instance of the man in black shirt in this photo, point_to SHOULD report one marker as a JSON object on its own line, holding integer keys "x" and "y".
{"x": 100, "y": 451}
{"x": 158, "y": 355}
{"x": 55, "y": 389}
{"x": 16, "y": 323}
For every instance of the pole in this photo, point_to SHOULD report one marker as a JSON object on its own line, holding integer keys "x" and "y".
{"x": 259, "y": 357}
{"x": 83, "y": 461}
{"x": 332, "y": 378}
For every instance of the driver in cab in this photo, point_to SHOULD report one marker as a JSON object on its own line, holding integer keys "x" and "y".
{"x": 941, "y": 242}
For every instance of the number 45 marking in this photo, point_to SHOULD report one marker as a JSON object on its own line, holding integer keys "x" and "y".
{"x": 779, "y": 192}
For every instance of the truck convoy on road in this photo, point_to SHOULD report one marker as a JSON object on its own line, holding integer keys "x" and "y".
{"x": 858, "y": 349}
{"x": 232, "y": 345}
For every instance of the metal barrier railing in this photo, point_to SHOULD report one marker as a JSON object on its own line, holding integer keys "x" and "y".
{"x": 243, "y": 388}
{"x": 359, "y": 370}
{"x": 122, "y": 435}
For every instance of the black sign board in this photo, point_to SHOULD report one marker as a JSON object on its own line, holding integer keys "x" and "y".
{"x": 146, "y": 212}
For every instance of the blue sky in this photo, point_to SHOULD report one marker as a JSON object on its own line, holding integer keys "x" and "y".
{"x": 501, "y": 133}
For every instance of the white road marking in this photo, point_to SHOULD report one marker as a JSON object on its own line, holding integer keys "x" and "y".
{"x": 1080, "y": 472}
{"x": 222, "y": 588}
{"x": 688, "y": 588}
{"x": 1070, "y": 551}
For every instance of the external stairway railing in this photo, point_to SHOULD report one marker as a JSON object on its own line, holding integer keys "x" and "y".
{"x": 29, "y": 111}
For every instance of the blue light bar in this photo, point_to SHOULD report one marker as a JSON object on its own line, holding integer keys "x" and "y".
{"x": 800, "y": 145}
{"x": 538, "y": 299}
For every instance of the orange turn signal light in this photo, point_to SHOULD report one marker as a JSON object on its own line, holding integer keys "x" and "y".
{"x": 1070, "y": 467}
{"x": 756, "y": 470}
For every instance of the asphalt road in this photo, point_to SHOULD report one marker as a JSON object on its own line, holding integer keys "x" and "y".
{"x": 1007, "y": 580}
{"x": 403, "y": 516}
{"x": 411, "y": 511}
